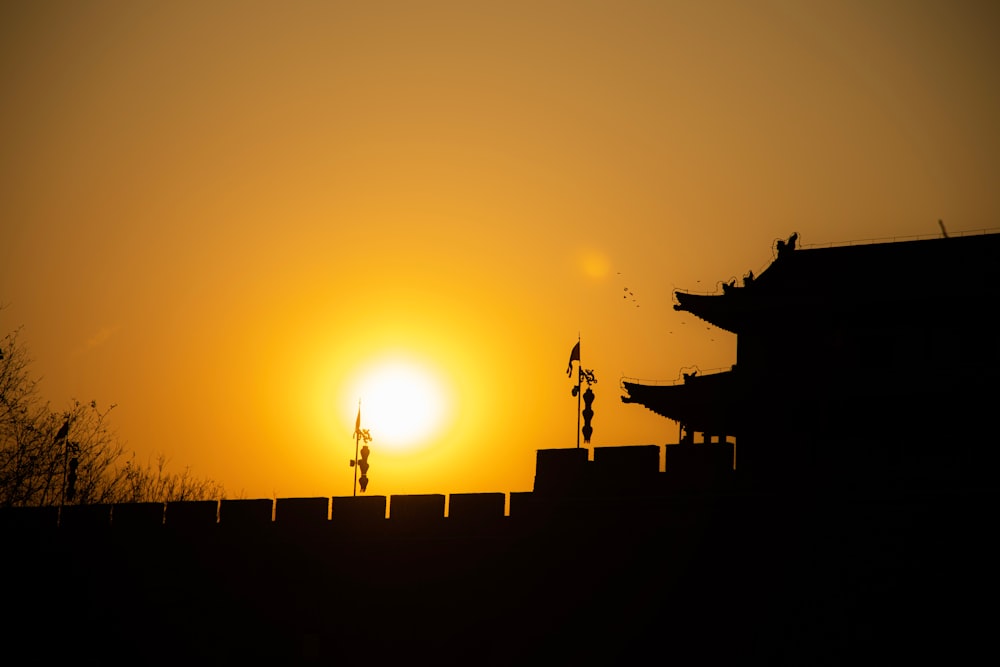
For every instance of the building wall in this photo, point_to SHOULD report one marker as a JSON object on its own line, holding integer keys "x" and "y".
{"x": 875, "y": 377}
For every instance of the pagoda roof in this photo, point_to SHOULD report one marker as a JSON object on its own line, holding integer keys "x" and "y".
{"x": 872, "y": 273}
{"x": 724, "y": 311}
{"x": 702, "y": 403}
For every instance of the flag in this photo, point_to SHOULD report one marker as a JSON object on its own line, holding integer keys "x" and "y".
{"x": 63, "y": 432}
{"x": 573, "y": 356}
{"x": 357, "y": 424}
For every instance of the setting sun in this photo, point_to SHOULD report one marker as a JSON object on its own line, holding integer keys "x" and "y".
{"x": 402, "y": 403}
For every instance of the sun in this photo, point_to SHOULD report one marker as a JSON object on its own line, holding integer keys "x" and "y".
{"x": 402, "y": 403}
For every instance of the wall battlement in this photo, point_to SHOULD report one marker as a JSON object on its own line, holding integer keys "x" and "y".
{"x": 606, "y": 561}
{"x": 568, "y": 475}
{"x": 617, "y": 483}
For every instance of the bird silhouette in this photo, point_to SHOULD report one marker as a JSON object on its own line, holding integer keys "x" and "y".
{"x": 629, "y": 294}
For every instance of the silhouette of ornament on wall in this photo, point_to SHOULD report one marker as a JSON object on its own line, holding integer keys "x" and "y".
{"x": 588, "y": 414}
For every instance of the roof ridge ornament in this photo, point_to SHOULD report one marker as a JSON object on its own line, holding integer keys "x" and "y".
{"x": 785, "y": 247}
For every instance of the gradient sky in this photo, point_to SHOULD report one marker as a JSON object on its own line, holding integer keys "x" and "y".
{"x": 221, "y": 216}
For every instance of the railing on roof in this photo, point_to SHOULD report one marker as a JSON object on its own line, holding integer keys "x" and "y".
{"x": 843, "y": 244}
{"x": 680, "y": 378}
{"x": 897, "y": 239}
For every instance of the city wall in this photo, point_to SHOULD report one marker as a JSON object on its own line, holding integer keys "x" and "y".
{"x": 606, "y": 560}
{"x": 562, "y": 475}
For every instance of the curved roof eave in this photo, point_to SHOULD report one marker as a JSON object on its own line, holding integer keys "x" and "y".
{"x": 717, "y": 309}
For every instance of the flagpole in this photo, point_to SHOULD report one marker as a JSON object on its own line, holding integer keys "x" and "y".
{"x": 357, "y": 438}
{"x": 579, "y": 383}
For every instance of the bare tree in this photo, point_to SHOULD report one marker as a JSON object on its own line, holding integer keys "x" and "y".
{"x": 49, "y": 457}
{"x": 153, "y": 483}
{"x": 28, "y": 462}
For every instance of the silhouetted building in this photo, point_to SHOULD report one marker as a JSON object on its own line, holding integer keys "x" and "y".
{"x": 856, "y": 365}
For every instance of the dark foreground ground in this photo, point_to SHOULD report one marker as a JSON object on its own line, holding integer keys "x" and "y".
{"x": 781, "y": 579}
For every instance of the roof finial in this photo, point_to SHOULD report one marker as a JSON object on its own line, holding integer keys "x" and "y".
{"x": 787, "y": 246}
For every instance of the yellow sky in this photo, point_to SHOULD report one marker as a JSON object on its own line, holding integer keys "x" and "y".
{"x": 218, "y": 214}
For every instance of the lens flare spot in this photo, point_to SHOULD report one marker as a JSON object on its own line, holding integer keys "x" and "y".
{"x": 593, "y": 263}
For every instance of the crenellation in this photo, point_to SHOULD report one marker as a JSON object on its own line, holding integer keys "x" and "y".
{"x": 416, "y": 508}
{"x": 27, "y": 520}
{"x": 354, "y": 510}
{"x": 301, "y": 512}
{"x": 85, "y": 517}
{"x": 625, "y": 471}
{"x": 476, "y": 507}
{"x": 560, "y": 471}
{"x": 191, "y": 514}
{"x": 246, "y": 513}
{"x": 137, "y": 516}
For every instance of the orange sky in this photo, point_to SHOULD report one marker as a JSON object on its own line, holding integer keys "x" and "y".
{"x": 218, "y": 215}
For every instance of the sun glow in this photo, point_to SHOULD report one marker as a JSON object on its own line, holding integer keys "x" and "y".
{"x": 403, "y": 404}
